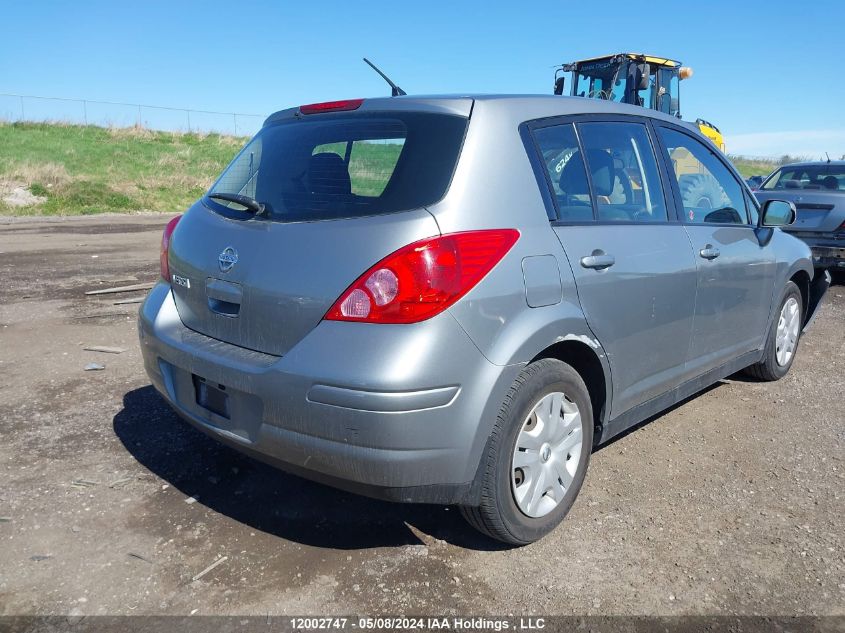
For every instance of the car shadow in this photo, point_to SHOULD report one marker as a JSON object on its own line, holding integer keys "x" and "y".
{"x": 662, "y": 413}
{"x": 739, "y": 376}
{"x": 270, "y": 500}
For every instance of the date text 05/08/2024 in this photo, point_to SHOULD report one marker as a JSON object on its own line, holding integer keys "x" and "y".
{"x": 418, "y": 623}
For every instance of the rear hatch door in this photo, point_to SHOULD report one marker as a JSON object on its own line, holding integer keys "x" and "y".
{"x": 340, "y": 192}
{"x": 816, "y": 189}
{"x": 284, "y": 277}
{"x": 819, "y": 212}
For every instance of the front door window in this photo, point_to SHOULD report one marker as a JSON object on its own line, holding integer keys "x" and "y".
{"x": 709, "y": 192}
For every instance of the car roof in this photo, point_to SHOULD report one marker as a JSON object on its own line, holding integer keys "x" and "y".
{"x": 518, "y": 107}
{"x": 815, "y": 163}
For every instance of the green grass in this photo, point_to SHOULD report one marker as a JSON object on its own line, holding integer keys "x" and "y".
{"x": 77, "y": 170}
{"x": 80, "y": 170}
{"x": 370, "y": 164}
{"x": 87, "y": 169}
{"x": 748, "y": 167}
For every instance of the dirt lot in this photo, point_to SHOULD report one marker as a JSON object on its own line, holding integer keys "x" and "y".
{"x": 730, "y": 503}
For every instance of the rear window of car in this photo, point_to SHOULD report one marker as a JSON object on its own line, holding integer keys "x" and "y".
{"x": 819, "y": 177}
{"x": 319, "y": 167}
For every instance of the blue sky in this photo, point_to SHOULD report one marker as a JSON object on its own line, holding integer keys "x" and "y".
{"x": 769, "y": 74}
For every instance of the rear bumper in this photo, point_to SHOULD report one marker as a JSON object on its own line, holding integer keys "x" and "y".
{"x": 828, "y": 251}
{"x": 828, "y": 256}
{"x": 397, "y": 412}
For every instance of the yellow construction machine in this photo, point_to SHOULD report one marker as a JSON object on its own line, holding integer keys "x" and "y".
{"x": 643, "y": 80}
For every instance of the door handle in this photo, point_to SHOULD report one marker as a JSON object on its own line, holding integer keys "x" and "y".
{"x": 224, "y": 297}
{"x": 599, "y": 260}
{"x": 709, "y": 252}
{"x": 224, "y": 308}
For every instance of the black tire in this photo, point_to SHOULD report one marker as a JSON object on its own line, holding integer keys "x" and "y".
{"x": 768, "y": 369}
{"x": 701, "y": 191}
{"x": 498, "y": 514}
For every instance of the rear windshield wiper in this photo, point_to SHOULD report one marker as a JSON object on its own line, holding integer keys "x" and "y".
{"x": 251, "y": 204}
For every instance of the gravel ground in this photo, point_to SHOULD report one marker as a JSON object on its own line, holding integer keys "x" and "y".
{"x": 731, "y": 503}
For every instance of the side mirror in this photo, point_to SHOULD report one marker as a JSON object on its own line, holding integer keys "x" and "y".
{"x": 645, "y": 75}
{"x": 559, "y": 82}
{"x": 778, "y": 213}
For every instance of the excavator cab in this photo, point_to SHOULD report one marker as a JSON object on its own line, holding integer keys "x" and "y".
{"x": 642, "y": 80}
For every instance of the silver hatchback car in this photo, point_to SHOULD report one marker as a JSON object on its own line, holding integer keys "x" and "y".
{"x": 455, "y": 299}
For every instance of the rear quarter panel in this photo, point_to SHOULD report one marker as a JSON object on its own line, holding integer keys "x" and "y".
{"x": 495, "y": 186}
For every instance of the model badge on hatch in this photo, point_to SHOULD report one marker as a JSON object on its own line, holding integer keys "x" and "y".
{"x": 181, "y": 281}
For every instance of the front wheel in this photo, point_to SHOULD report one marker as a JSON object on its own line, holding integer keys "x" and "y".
{"x": 537, "y": 455}
{"x": 782, "y": 341}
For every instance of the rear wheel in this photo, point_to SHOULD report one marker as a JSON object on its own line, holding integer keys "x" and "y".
{"x": 537, "y": 455}
{"x": 782, "y": 342}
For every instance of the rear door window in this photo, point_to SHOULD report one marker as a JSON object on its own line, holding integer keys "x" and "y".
{"x": 623, "y": 170}
{"x": 326, "y": 166}
{"x": 564, "y": 165}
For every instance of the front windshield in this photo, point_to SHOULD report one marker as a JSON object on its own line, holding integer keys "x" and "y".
{"x": 600, "y": 80}
{"x": 821, "y": 177}
{"x": 669, "y": 97}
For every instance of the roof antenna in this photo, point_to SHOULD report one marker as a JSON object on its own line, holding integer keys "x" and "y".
{"x": 828, "y": 156}
{"x": 395, "y": 91}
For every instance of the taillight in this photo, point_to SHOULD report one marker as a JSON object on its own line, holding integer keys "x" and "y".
{"x": 424, "y": 278}
{"x": 331, "y": 106}
{"x": 165, "y": 247}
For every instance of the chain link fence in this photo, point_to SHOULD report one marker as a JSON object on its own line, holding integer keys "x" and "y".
{"x": 17, "y": 107}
